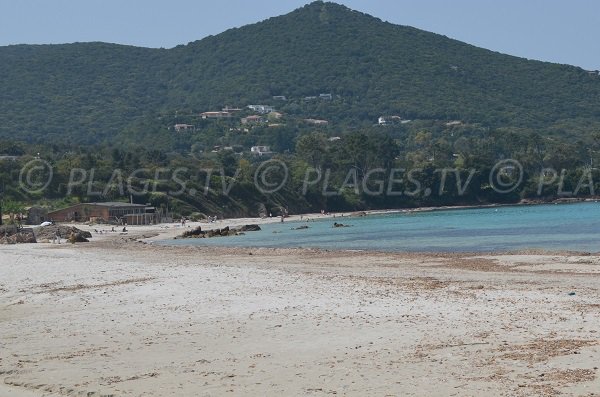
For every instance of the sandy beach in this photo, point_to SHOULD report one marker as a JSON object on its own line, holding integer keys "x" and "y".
{"x": 123, "y": 317}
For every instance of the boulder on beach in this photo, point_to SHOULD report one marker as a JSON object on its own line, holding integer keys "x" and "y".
{"x": 11, "y": 234}
{"x": 77, "y": 237}
{"x": 47, "y": 233}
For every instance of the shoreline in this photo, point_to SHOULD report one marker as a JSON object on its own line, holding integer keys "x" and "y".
{"x": 163, "y": 234}
{"x": 186, "y": 321}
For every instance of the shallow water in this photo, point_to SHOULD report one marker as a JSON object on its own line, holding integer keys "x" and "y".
{"x": 551, "y": 227}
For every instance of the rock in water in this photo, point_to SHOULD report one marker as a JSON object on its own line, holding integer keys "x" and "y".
{"x": 195, "y": 233}
{"x": 300, "y": 227}
{"x": 224, "y": 232}
{"x": 335, "y": 224}
{"x": 249, "y": 228}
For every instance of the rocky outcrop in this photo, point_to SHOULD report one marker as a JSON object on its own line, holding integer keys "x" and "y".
{"x": 224, "y": 232}
{"x": 11, "y": 234}
{"x": 197, "y": 232}
{"x": 48, "y": 233}
{"x": 249, "y": 228}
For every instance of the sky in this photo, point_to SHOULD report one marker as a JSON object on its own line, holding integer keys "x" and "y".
{"x": 561, "y": 31}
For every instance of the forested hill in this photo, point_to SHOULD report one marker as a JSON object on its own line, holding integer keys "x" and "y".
{"x": 88, "y": 92}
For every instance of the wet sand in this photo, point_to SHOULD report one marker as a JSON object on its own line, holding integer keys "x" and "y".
{"x": 127, "y": 318}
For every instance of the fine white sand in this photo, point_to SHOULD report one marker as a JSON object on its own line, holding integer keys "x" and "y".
{"x": 125, "y": 318}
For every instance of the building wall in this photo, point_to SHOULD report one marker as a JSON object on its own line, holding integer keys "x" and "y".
{"x": 79, "y": 213}
{"x": 120, "y": 212}
{"x": 36, "y": 215}
{"x": 85, "y": 212}
{"x": 141, "y": 219}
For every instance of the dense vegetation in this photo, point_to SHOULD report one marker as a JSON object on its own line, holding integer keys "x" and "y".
{"x": 438, "y": 165}
{"x": 104, "y": 107}
{"x": 92, "y": 92}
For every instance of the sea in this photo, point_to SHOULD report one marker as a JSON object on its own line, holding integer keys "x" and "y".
{"x": 552, "y": 227}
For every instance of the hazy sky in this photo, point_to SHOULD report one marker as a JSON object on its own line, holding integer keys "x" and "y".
{"x": 564, "y": 31}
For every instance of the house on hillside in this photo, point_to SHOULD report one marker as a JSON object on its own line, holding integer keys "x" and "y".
{"x": 219, "y": 148}
{"x": 280, "y": 98}
{"x": 254, "y": 119}
{"x": 261, "y": 150}
{"x": 316, "y": 121}
{"x": 326, "y": 97}
{"x": 388, "y": 120}
{"x": 184, "y": 128}
{"x": 262, "y": 109}
{"x": 275, "y": 115}
{"x": 216, "y": 115}
{"x": 231, "y": 110}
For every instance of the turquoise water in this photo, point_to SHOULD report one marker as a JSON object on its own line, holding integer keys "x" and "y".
{"x": 552, "y": 227}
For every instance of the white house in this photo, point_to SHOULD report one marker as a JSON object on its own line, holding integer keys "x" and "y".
{"x": 231, "y": 110}
{"x": 260, "y": 150}
{"x": 184, "y": 127}
{"x": 264, "y": 109}
{"x": 387, "y": 120}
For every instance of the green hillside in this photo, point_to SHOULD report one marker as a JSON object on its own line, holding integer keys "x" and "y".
{"x": 93, "y": 92}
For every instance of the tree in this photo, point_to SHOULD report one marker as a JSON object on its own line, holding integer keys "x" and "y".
{"x": 12, "y": 208}
{"x": 312, "y": 148}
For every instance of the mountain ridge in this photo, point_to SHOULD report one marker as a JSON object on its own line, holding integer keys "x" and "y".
{"x": 95, "y": 91}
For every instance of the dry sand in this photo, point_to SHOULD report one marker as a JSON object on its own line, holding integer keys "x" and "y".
{"x": 118, "y": 317}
